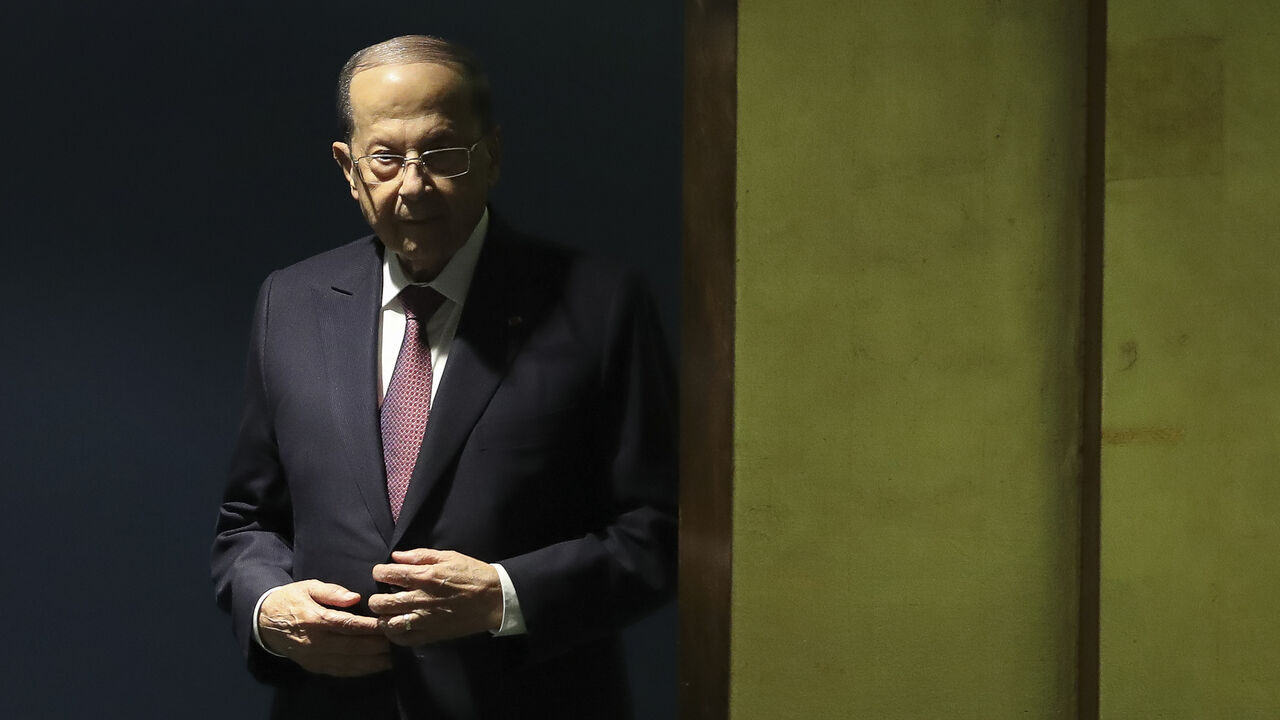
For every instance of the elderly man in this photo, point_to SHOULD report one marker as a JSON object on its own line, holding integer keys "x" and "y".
{"x": 454, "y": 480}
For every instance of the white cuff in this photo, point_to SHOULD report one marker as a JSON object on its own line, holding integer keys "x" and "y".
{"x": 512, "y": 618}
{"x": 257, "y": 638}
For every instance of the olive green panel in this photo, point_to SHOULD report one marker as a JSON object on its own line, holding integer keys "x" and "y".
{"x": 1190, "y": 605}
{"x": 907, "y": 381}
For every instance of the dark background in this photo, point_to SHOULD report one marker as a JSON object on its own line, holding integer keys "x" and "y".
{"x": 160, "y": 160}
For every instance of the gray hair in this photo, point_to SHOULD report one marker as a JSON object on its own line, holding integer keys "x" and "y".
{"x": 408, "y": 49}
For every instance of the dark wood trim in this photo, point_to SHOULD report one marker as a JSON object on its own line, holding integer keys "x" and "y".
{"x": 1088, "y": 656}
{"x": 706, "y": 366}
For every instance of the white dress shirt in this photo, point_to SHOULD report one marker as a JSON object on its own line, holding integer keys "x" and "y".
{"x": 453, "y": 282}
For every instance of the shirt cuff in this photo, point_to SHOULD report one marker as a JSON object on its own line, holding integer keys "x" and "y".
{"x": 512, "y": 618}
{"x": 257, "y": 638}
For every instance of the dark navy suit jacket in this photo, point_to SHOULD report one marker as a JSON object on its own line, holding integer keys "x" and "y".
{"x": 551, "y": 449}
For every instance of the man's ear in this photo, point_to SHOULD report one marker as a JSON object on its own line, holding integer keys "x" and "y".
{"x": 342, "y": 153}
{"x": 494, "y": 144}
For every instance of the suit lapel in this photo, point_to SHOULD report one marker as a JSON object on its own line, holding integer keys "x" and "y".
{"x": 349, "y": 315}
{"x": 478, "y": 359}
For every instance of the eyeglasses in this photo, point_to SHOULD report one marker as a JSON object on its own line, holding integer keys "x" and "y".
{"x": 441, "y": 164}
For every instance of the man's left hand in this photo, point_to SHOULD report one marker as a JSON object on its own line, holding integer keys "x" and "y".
{"x": 446, "y": 595}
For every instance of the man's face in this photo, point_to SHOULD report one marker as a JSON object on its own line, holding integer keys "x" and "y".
{"x": 408, "y": 110}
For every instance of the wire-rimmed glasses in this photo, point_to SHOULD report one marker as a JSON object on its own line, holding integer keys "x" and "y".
{"x": 440, "y": 164}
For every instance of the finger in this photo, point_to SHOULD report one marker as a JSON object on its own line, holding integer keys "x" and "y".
{"x": 345, "y": 623}
{"x": 407, "y": 623}
{"x": 331, "y": 594}
{"x": 420, "y": 556}
{"x": 399, "y": 603}
{"x": 405, "y": 576}
{"x": 413, "y": 628}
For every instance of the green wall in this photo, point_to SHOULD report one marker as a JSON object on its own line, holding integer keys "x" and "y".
{"x": 907, "y": 380}
{"x": 1191, "y": 502}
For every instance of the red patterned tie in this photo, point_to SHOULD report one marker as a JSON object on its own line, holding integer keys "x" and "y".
{"x": 408, "y": 400}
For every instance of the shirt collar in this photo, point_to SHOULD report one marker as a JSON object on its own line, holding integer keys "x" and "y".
{"x": 454, "y": 280}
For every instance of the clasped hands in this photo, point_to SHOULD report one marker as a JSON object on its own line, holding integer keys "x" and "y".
{"x": 443, "y": 595}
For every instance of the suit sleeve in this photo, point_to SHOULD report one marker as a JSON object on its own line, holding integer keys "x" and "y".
{"x": 252, "y": 550}
{"x": 582, "y": 589}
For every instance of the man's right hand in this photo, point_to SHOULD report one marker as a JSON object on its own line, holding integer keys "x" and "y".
{"x": 300, "y": 622}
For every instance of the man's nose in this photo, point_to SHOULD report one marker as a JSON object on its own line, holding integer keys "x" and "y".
{"x": 415, "y": 180}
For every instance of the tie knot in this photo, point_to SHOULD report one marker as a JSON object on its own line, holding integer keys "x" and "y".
{"x": 420, "y": 301}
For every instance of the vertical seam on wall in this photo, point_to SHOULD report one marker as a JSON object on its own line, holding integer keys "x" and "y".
{"x": 708, "y": 292}
{"x": 1088, "y": 676}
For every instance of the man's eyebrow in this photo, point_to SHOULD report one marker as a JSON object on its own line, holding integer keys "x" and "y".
{"x": 374, "y": 141}
{"x": 440, "y": 138}
{"x": 436, "y": 138}
{"x": 448, "y": 129}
